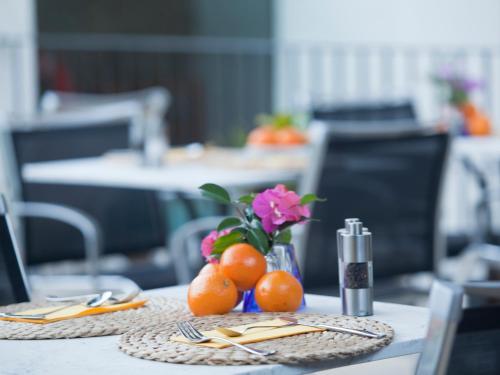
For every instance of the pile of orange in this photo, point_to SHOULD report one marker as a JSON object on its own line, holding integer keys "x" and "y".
{"x": 268, "y": 135}
{"x": 219, "y": 288}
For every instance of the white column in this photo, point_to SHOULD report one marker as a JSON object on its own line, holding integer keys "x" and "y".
{"x": 18, "y": 61}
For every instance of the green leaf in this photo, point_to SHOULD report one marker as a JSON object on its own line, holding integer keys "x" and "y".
{"x": 308, "y": 198}
{"x": 228, "y": 222}
{"x": 246, "y": 199}
{"x": 222, "y": 243}
{"x": 215, "y": 192}
{"x": 284, "y": 236}
{"x": 241, "y": 230}
{"x": 249, "y": 214}
{"x": 258, "y": 239}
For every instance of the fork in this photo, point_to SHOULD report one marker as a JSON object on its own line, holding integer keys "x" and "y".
{"x": 193, "y": 335}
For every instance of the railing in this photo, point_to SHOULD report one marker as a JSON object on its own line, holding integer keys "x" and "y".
{"x": 219, "y": 84}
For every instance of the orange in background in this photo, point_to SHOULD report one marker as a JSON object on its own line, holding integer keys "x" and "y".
{"x": 263, "y": 135}
{"x": 279, "y": 291}
{"x": 290, "y": 136}
{"x": 270, "y": 135}
{"x": 476, "y": 122}
{"x": 243, "y": 264}
{"x": 212, "y": 293}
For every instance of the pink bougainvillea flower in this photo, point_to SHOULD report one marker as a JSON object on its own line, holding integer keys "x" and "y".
{"x": 278, "y": 206}
{"x": 207, "y": 244}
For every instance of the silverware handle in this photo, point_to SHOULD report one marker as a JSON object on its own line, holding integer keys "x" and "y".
{"x": 243, "y": 347}
{"x": 70, "y": 298}
{"x": 352, "y": 331}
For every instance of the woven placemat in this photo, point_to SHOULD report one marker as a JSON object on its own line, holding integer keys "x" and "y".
{"x": 157, "y": 309}
{"x": 153, "y": 342}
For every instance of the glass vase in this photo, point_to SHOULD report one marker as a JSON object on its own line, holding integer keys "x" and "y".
{"x": 281, "y": 257}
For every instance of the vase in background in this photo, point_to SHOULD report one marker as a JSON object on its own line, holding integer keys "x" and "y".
{"x": 281, "y": 257}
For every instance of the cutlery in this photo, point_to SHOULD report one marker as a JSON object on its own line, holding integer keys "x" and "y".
{"x": 232, "y": 333}
{"x": 193, "y": 335}
{"x": 358, "y": 332}
{"x": 121, "y": 298}
{"x": 94, "y": 302}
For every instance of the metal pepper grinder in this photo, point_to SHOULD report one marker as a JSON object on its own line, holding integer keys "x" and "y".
{"x": 355, "y": 268}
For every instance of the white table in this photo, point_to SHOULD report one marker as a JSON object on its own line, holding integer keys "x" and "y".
{"x": 459, "y": 196}
{"x": 461, "y": 191}
{"x": 100, "y": 355}
{"x": 129, "y": 172}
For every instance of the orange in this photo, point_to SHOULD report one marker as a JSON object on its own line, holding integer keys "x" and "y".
{"x": 209, "y": 268}
{"x": 279, "y": 291}
{"x": 243, "y": 264}
{"x": 263, "y": 135}
{"x": 211, "y": 293}
{"x": 290, "y": 136}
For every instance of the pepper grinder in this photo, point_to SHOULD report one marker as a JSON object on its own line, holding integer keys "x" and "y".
{"x": 355, "y": 268}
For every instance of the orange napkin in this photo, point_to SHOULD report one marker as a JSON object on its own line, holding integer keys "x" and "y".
{"x": 253, "y": 335}
{"x": 72, "y": 311}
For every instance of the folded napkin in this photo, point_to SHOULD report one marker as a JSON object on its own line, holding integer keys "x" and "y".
{"x": 72, "y": 311}
{"x": 253, "y": 335}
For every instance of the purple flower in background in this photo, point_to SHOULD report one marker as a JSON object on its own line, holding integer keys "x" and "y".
{"x": 278, "y": 206}
{"x": 469, "y": 84}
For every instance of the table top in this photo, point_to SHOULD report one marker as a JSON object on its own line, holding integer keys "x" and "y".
{"x": 100, "y": 355}
{"x": 235, "y": 169}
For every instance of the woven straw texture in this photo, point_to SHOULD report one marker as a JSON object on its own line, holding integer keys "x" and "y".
{"x": 153, "y": 342}
{"x": 157, "y": 309}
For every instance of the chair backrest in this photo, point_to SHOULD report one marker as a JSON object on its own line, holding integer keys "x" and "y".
{"x": 13, "y": 284}
{"x": 392, "y": 182}
{"x": 445, "y": 306}
{"x": 365, "y": 111}
{"x": 476, "y": 349}
{"x": 462, "y": 341}
{"x": 153, "y": 101}
{"x": 130, "y": 219}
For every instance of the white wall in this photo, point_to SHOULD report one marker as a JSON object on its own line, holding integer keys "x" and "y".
{"x": 404, "y": 22}
{"x": 18, "y": 77}
{"x": 466, "y": 30}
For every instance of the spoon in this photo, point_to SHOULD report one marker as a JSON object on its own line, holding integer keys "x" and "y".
{"x": 93, "y": 302}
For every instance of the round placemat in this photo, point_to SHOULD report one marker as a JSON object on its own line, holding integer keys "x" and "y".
{"x": 157, "y": 309}
{"x": 153, "y": 342}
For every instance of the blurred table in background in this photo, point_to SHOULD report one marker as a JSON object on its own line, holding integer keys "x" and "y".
{"x": 245, "y": 169}
{"x": 184, "y": 170}
{"x": 461, "y": 191}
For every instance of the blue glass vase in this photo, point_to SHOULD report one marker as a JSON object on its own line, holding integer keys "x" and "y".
{"x": 281, "y": 257}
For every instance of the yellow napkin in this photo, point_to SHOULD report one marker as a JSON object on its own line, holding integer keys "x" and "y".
{"x": 72, "y": 311}
{"x": 253, "y": 335}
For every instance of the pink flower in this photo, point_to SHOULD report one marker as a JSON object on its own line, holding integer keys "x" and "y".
{"x": 207, "y": 244}
{"x": 277, "y": 206}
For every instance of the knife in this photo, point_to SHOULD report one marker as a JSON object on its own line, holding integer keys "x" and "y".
{"x": 352, "y": 331}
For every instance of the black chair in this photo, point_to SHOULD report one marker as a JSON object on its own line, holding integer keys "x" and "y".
{"x": 462, "y": 341}
{"x": 391, "y": 181}
{"x": 13, "y": 285}
{"x": 365, "y": 111}
{"x": 130, "y": 219}
{"x": 476, "y": 349}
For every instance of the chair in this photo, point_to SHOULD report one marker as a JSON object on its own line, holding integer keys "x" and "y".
{"x": 131, "y": 219}
{"x": 471, "y": 344}
{"x": 365, "y": 111}
{"x": 391, "y": 180}
{"x": 13, "y": 285}
{"x": 154, "y": 103}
